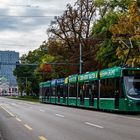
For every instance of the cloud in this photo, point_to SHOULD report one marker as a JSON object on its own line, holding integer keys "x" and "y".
{"x": 23, "y": 23}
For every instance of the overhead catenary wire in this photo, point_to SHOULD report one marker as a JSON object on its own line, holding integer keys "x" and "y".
{"x": 37, "y": 64}
{"x": 24, "y": 16}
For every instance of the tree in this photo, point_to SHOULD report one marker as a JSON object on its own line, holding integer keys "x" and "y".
{"x": 74, "y": 23}
{"x": 106, "y": 48}
{"x": 74, "y": 27}
{"x": 45, "y": 69}
{"x": 108, "y": 12}
{"x": 36, "y": 55}
{"x": 28, "y": 88}
{"x": 127, "y": 33}
{"x": 108, "y": 6}
{"x": 71, "y": 29}
{"x": 64, "y": 62}
{"x": 26, "y": 79}
{"x": 25, "y": 74}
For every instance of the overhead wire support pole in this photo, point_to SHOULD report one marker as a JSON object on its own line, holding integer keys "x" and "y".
{"x": 80, "y": 66}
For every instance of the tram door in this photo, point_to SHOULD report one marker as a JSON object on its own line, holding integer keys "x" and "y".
{"x": 43, "y": 94}
{"x": 93, "y": 93}
{"x": 91, "y": 96}
{"x": 65, "y": 94}
{"x": 61, "y": 94}
{"x": 58, "y": 94}
{"x": 117, "y": 92}
{"x": 82, "y": 95}
{"x": 47, "y": 94}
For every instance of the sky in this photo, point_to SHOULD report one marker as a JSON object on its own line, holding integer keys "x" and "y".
{"x": 23, "y": 23}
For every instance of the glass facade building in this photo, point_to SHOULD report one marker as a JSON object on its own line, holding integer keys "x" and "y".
{"x": 8, "y": 61}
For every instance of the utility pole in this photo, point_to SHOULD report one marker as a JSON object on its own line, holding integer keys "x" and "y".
{"x": 80, "y": 60}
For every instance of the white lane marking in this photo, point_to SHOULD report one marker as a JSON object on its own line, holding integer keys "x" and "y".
{"x": 42, "y": 138}
{"x": 59, "y": 115}
{"x": 7, "y": 111}
{"x": 41, "y": 110}
{"x": 95, "y": 125}
{"x": 27, "y": 126}
{"x": 18, "y": 119}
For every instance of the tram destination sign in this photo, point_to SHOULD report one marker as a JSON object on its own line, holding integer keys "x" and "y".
{"x": 66, "y": 80}
{"x": 88, "y": 77}
{"x": 60, "y": 81}
{"x": 47, "y": 84}
{"x": 110, "y": 73}
{"x": 41, "y": 85}
{"x": 132, "y": 72}
{"x": 53, "y": 82}
{"x": 73, "y": 78}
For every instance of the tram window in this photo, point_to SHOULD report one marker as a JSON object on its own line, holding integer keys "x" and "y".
{"x": 107, "y": 88}
{"x": 53, "y": 91}
{"x": 65, "y": 91}
{"x": 87, "y": 87}
{"x": 59, "y": 91}
{"x": 81, "y": 89}
{"x": 41, "y": 91}
{"x": 46, "y": 91}
{"x": 72, "y": 90}
{"x": 84, "y": 89}
{"x": 94, "y": 88}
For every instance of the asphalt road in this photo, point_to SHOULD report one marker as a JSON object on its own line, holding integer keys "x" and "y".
{"x": 21, "y": 120}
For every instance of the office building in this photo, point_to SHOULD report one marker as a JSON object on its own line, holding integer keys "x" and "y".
{"x": 8, "y": 60}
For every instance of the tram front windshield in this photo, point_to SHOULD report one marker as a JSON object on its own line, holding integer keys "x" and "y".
{"x": 132, "y": 86}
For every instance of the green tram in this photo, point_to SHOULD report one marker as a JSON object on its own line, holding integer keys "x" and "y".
{"x": 109, "y": 89}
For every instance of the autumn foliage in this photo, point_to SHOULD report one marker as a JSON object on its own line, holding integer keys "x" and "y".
{"x": 45, "y": 68}
{"x": 127, "y": 33}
